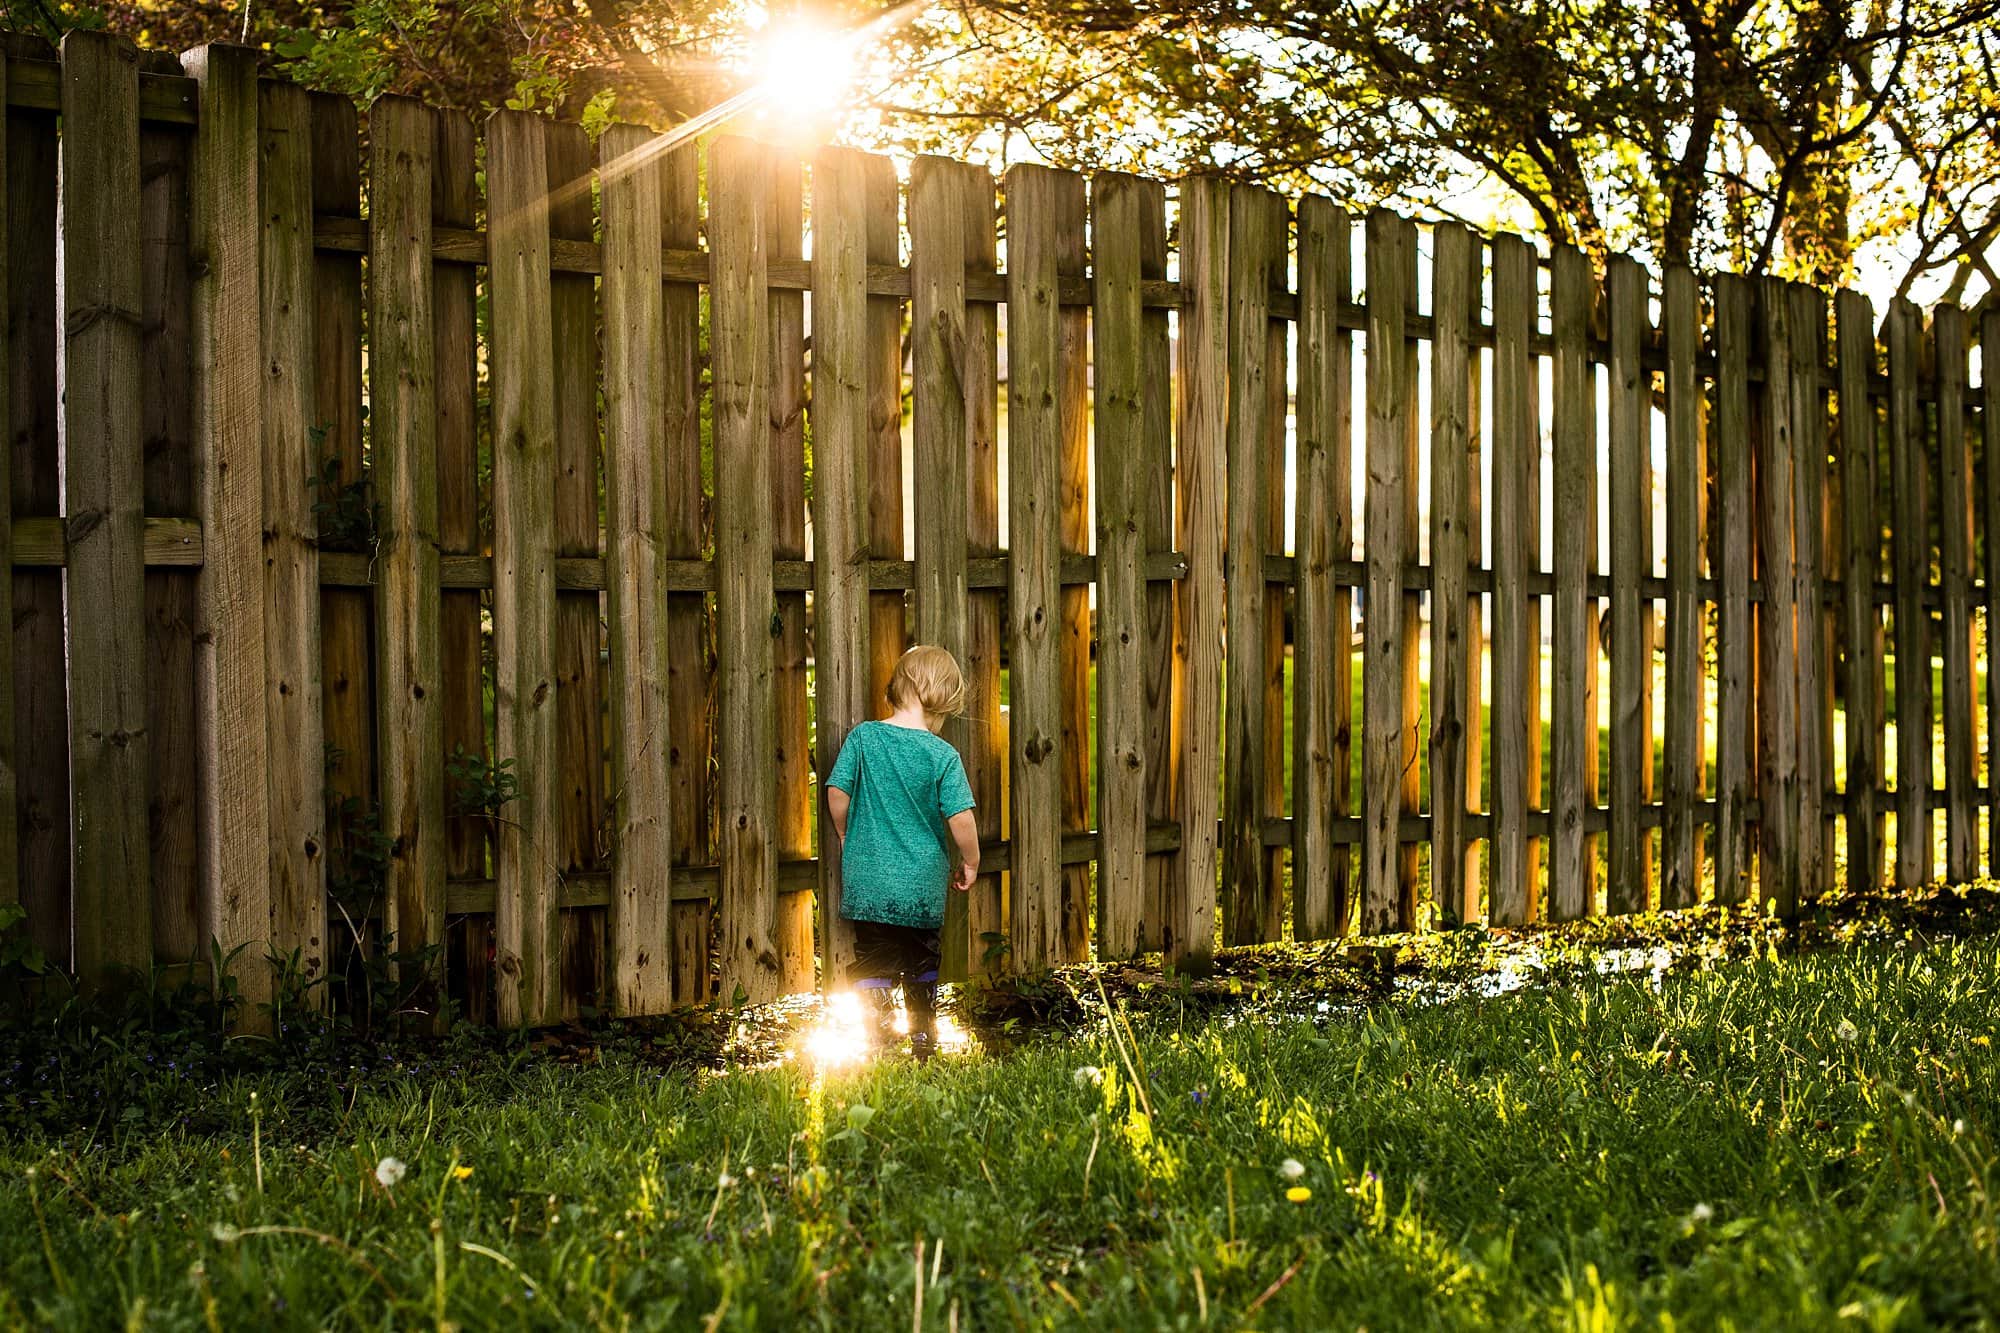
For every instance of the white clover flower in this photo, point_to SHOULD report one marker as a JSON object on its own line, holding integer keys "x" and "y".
{"x": 725, "y": 1181}
{"x": 1291, "y": 1168}
{"x": 1958, "y": 1127}
{"x": 1701, "y": 1212}
{"x": 1847, "y": 1031}
{"x": 389, "y": 1172}
{"x": 1090, "y": 1074}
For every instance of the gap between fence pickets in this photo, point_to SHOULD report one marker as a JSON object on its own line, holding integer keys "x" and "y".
{"x": 456, "y": 245}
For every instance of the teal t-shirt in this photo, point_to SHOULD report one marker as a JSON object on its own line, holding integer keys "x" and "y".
{"x": 902, "y": 785}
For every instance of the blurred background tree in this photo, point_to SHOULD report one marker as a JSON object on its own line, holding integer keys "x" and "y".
{"x": 1805, "y": 137}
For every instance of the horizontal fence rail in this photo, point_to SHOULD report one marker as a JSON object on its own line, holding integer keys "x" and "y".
{"x": 1314, "y": 575}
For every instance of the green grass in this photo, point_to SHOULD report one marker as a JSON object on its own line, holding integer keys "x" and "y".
{"x": 1781, "y": 1143}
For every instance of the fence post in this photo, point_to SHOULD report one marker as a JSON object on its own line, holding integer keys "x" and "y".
{"x": 10, "y": 885}
{"x": 1910, "y": 528}
{"x": 1034, "y": 335}
{"x": 1860, "y": 482}
{"x": 1249, "y": 902}
{"x": 527, "y": 915}
{"x": 1687, "y": 468}
{"x": 1187, "y": 935}
{"x": 1989, "y": 420}
{"x": 1735, "y": 714}
{"x": 1390, "y": 617}
{"x": 1960, "y": 706}
{"x": 1573, "y": 697}
{"x": 1457, "y": 648}
{"x": 1630, "y": 887}
{"x": 403, "y": 439}
{"x": 1514, "y": 896}
{"x": 290, "y": 602}
{"x": 1117, "y": 207}
{"x": 635, "y": 496}
{"x": 739, "y": 197}
{"x": 1815, "y": 681}
{"x": 840, "y": 500}
{"x": 103, "y": 504}
{"x": 986, "y": 754}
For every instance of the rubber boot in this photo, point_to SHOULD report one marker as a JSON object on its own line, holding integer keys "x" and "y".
{"x": 920, "y": 998}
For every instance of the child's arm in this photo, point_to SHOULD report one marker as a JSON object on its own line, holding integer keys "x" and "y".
{"x": 966, "y": 834}
{"x": 836, "y": 805}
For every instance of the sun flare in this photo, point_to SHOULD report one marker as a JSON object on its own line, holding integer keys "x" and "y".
{"x": 805, "y": 72}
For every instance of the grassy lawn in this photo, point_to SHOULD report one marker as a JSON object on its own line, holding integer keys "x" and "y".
{"x": 1805, "y": 1142}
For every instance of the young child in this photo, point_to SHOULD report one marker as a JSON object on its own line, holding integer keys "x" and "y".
{"x": 903, "y": 810}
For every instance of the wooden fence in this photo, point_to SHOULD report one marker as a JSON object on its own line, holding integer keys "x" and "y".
{"x": 423, "y": 591}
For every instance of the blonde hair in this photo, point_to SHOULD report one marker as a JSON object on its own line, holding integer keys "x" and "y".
{"x": 928, "y": 677}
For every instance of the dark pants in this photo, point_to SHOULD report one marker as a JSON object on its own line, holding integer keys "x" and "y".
{"x": 886, "y": 954}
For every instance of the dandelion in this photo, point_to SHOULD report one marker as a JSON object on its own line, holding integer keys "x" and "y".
{"x": 1701, "y": 1212}
{"x": 461, "y": 1173}
{"x": 1847, "y": 1031}
{"x": 1298, "y": 1194}
{"x": 1090, "y": 1074}
{"x": 1291, "y": 1168}
{"x": 389, "y": 1172}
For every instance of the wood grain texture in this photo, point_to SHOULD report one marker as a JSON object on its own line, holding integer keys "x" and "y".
{"x": 840, "y": 502}
{"x": 582, "y": 815}
{"x": 1735, "y": 641}
{"x": 528, "y": 858}
{"x": 1117, "y": 325}
{"x": 1911, "y": 561}
{"x": 1323, "y": 632}
{"x": 1777, "y": 614}
{"x": 637, "y": 521}
{"x": 104, "y": 499}
{"x": 173, "y": 611}
{"x": 455, "y": 342}
{"x": 1989, "y": 420}
{"x": 347, "y": 680}
{"x": 1390, "y": 618}
{"x": 939, "y": 458}
{"x": 1073, "y": 523}
{"x": 690, "y": 673}
{"x": 1248, "y": 898}
{"x": 1573, "y": 652}
{"x": 739, "y": 198}
{"x": 1959, "y": 706}
{"x": 38, "y": 689}
{"x": 1861, "y": 621}
{"x": 1035, "y": 445}
{"x": 1809, "y": 544}
{"x": 888, "y": 612}
{"x": 229, "y": 666}
{"x": 1629, "y": 886}
{"x": 1686, "y": 674}
{"x": 983, "y": 905}
{"x": 289, "y": 600}
{"x": 1514, "y": 894}
{"x": 792, "y": 755}
{"x": 1162, "y": 657}
{"x": 1187, "y": 936}
{"x": 1457, "y": 647}
{"x": 10, "y": 784}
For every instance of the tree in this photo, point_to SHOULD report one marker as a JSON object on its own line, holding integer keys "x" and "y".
{"x": 1758, "y": 133}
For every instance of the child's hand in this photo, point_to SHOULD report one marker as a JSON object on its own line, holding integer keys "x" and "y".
{"x": 962, "y": 880}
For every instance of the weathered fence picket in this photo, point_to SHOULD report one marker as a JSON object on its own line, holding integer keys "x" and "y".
{"x": 238, "y": 730}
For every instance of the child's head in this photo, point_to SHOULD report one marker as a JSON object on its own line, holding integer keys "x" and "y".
{"x": 928, "y": 677}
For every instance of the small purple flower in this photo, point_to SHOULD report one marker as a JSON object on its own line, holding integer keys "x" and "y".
{"x": 1199, "y": 1097}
